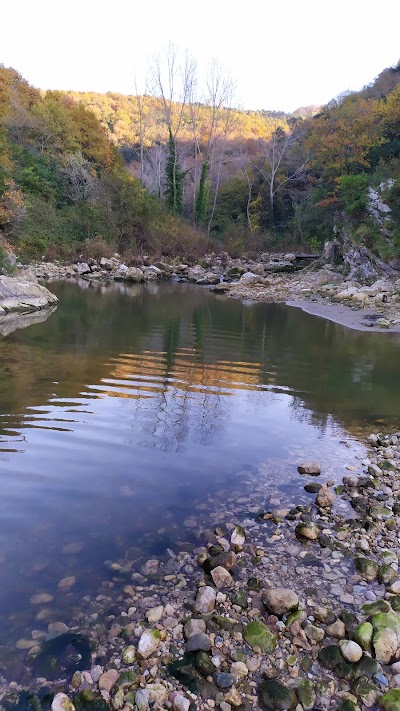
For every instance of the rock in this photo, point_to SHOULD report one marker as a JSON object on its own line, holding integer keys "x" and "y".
{"x": 41, "y": 599}
{"x": 108, "y": 680}
{"x": 226, "y": 560}
{"x": 367, "y": 568}
{"x": 390, "y": 701}
{"x": 194, "y": 627}
{"x": 158, "y": 695}
{"x": 224, "y": 680}
{"x": 61, "y": 702}
{"x": 221, "y": 577}
{"x": 16, "y": 294}
{"x": 150, "y": 567}
{"x": 386, "y": 574}
{"x": 306, "y": 694}
{"x": 330, "y": 656}
{"x": 180, "y": 703}
{"x": 312, "y": 487}
{"x": 149, "y": 643}
{"x": 363, "y": 635}
{"x": 90, "y": 700}
{"x": 142, "y": 699}
{"x": 307, "y": 529}
{"x": 310, "y": 468}
{"x": 249, "y": 278}
{"x": 203, "y": 664}
{"x": 385, "y": 644}
{"x": 325, "y": 498}
{"x": 238, "y": 537}
{"x": 198, "y": 642}
{"x": 129, "y": 654}
{"x": 155, "y": 614}
{"x": 239, "y": 670}
{"x": 274, "y": 696}
{"x": 233, "y": 697}
{"x": 351, "y": 651}
{"x": 387, "y": 619}
{"x": 257, "y": 634}
{"x": 313, "y": 633}
{"x": 205, "y": 600}
{"x": 373, "y": 608}
{"x": 337, "y": 630}
{"x": 133, "y": 274}
{"x": 347, "y": 705}
{"x": 279, "y": 601}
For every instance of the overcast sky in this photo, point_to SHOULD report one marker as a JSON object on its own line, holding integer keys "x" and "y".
{"x": 282, "y": 54}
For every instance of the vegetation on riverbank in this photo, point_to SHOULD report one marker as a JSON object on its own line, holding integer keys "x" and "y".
{"x": 170, "y": 173}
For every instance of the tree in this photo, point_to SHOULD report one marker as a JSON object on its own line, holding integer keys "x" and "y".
{"x": 280, "y": 164}
{"x": 172, "y": 81}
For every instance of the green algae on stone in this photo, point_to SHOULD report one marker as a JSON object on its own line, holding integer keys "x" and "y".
{"x": 366, "y": 568}
{"x": 274, "y": 696}
{"x": 363, "y": 635}
{"x": 203, "y": 663}
{"x": 330, "y": 656}
{"x": 347, "y": 705}
{"x": 386, "y": 574}
{"x": 387, "y": 619}
{"x": 390, "y": 701}
{"x": 306, "y": 694}
{"x": 89, "y": 700}
{"x": 373, "y": 608}
{"x": 257, "y": 634}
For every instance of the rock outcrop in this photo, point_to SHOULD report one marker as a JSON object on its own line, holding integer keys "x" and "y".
{"x": 19, "y": 295}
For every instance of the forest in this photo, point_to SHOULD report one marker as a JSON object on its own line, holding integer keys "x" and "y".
{"x": 169, "y": 172}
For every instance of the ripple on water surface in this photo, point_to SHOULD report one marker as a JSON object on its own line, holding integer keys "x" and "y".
{"x": 125, "y": 414}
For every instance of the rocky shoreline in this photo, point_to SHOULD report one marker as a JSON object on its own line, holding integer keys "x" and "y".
{"x": 287, "y": 607}
{"x": 287, "y": 278}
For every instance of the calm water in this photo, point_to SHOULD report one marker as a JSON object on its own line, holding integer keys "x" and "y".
{"x": 129, "y": 407}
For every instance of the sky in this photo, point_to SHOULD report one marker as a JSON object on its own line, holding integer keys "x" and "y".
{"x": 281, "y": 54}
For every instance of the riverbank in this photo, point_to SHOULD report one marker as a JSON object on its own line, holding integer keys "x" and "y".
{"x": 292, "y": 279}
{"x": 288, "y": 605}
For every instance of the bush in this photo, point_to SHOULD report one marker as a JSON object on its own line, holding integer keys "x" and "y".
{"x": 353, "y": 193}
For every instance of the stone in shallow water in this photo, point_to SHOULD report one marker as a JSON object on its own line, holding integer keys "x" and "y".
{"x": 366, "y": 568}
{"x": 310, "y": 468}
{"x": 204, "y": 664}
{"x": 197, "y": 642}
{"x": 307, "y": 529}
{"x": 149, "y": 643}
{"x": 224, "y": 680}
{"x": 62, "y": 656}
{"x": 385, "y": 644}
{"x": 108, "y": 680}
{"x": 41, "y": 599}
{"x": 205, "y": 600}
{"x": 221, "y": 577}
{"x": 61, "y": 702}
{"x": 129, "y": 654}
{"x": 279, "y": 601}
{"x": 89, "y": 700}
{"x": 274, "y": 696}
{"x": 372, "y": 608}
{"x": 257, "y": 634}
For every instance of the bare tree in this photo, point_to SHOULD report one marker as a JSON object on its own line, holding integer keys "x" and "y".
{"x": 172, "y": 81}
{"x": 281, "y": 164}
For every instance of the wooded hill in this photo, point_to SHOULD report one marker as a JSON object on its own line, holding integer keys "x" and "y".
{"x": 149, "y": 174}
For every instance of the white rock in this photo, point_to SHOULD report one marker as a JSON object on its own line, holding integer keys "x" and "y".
{"x": 61, "y": 702}
{"x": 351, "y": 651}
{"x": 149, "y": 643}
{"x": 221, "y": 577}
{"x": 205, "y": 600}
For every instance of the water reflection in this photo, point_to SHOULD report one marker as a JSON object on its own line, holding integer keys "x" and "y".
{"x": 131, "y": 406}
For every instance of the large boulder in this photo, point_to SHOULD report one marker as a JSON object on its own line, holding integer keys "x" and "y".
{"x": 17, "y": 294}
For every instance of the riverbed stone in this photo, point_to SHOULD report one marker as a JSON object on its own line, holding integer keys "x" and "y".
{"x": 238, "y": 537}
{"x": 224, "y": 680}
{"x": 205, "y": 600}
{"x": 221, "y": 577}
{"x": 351, "y": 651}
{"x": 325, "y": 498}
{"x": 61, "y": 702}
{"x": 280, "y": 601}
{"x": 108, "y": 680}
{"x": 306, "y": 694}
{"x": 363, "y": 635}
{"x": 385, "y": 644}
{"x": 366, "y": 568}
{"x": 41, "y": 599}
{"x": 373, "y": 608}
{"x": 310, "y": 468}
{"x": 390, "y": 701}
{"x": 129, "y": 654}
{"x": 204, "y": 664}
{"x": 275, "y": 696}
{"x": 257, "y": 634}
{"x": 387, "y": 619}
{"x": 337, "y": 630}
{"x": 197, "y": 642}
{"x": 149, "y": 643}
{"x": 307, "y": 529}
{"x": 194, "y": 626}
